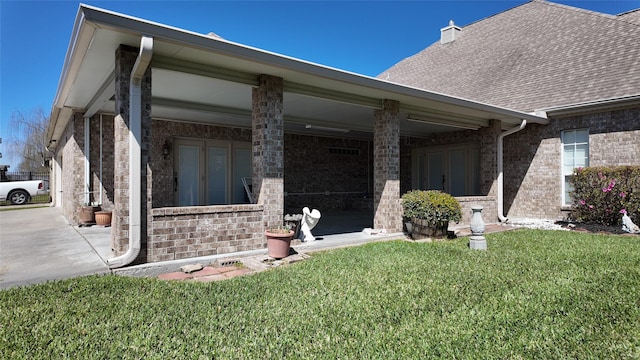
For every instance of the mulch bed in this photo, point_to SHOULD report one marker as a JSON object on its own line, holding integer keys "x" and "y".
{"x": 593, "y": 228}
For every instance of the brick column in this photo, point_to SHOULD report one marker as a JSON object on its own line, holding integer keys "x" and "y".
{"x": 125, "y": 59}
{"x": 268, "y": 147}
{"x": 386, "y": 158}
{"x": 72, "y": 145}
{"x": 488, "y": 158}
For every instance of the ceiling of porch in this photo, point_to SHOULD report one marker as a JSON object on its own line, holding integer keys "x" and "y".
{"x": 203, "y": 79}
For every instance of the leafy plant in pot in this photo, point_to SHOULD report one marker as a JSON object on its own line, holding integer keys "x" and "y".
{"x": 279, "y": 241}
{"x": 430, "y": 212}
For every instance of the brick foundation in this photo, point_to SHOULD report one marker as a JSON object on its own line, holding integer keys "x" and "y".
{"x": 185, "y": 232}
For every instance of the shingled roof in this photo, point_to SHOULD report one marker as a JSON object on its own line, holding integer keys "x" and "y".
{"x": 534, "y": 56}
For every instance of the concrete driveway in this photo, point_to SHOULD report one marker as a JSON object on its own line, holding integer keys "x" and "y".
{"x": 38, "y": 245}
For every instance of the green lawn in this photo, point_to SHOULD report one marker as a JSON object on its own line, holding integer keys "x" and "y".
{"x": 38, "y": 199}
{"x": 533, "y": 294}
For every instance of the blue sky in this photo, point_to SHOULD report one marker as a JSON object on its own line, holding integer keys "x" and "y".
{"x": 365, "y": 37}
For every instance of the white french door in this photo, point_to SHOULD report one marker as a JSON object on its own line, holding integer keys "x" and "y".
{"x": 452, "y": 169}
{"x": 210, "y": 172}
{"x": 188, "y": 179}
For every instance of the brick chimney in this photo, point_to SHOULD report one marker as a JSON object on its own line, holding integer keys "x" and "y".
{"x": 450, "y": 33}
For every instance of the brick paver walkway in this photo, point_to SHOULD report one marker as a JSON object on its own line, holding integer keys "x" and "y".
{"x": 207, "y": 274}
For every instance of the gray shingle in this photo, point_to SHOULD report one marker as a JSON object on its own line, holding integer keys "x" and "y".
{"x": 534, "y": 56}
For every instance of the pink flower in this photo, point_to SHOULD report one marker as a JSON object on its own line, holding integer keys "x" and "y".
{"x": 623, "y": 194}
{"x": 609, "y": 187}
{"x": 582, "y": 202}
{"x": 590, "y": 206}
{"x": 623, "y": 211}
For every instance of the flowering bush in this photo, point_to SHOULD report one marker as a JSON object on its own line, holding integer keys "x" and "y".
{"x": 431, "y": 205}
{"x": 602, "y": 194}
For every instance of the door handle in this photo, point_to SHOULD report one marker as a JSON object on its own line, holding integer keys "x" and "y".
{"x": 175, "y": 183}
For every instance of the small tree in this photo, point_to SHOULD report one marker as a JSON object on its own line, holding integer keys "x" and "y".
{"x": 28, "y": 141}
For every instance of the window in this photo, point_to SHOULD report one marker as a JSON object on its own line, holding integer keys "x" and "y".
{"x": 210, "y": 172}
{"x": 575, "y": 154}
{"x": 452, "y": 169}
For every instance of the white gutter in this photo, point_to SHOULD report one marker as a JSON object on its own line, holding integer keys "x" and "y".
{"x": 135, "y": 154}
{"x": 501, "y": 216}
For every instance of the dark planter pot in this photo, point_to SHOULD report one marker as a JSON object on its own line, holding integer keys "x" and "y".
{"x": 278, "y": 245}
{"x": 295, "y": 226}
{"x": 87, "y": 215}
{"x": 422, "y": 229}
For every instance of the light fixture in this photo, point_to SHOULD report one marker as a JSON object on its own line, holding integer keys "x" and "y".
{"x": 325, "y": 128}
{"x": 443, "y": 122}
{"x": 166, "y": 149}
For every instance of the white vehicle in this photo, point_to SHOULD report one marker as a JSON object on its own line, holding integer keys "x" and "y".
{"x": 20, "y": 192}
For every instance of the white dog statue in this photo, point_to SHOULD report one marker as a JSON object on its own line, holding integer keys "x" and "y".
{"x": 629, "y": 226}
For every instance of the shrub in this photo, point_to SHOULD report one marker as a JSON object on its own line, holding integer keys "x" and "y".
{"x": 431, "y": 205}
{"x": 602, "y": 194}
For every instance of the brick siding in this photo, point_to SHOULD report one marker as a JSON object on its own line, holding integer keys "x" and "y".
{"x": 185, "y": 232}
{"x": 532, "y": 170}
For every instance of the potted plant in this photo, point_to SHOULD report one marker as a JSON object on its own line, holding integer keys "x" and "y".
{"x": 430, "y": 212}
{"x": 279, "y": 241}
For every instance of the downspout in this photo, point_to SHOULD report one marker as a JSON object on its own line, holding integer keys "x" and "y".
{"x": 101, "y": 182}
{"x": 87, "y": 164}
{"x": 501, "y": 216}
{"x": 135, "y": 153}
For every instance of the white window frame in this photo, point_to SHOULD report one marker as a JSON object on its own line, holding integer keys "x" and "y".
{"x": 566, "y": 169}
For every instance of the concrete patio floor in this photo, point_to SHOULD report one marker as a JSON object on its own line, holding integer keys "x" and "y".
{"x": 39, "y": 245}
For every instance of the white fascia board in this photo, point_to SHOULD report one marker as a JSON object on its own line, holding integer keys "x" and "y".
{"x": 595, "y": 105}
{"x": 81, "y": 38}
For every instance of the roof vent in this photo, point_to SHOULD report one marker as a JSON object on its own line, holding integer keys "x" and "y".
{"x": 215, "y": 36}
{"x": 450, "y": 33}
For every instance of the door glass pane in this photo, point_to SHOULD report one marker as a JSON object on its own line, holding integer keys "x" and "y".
{"x": 581, "y": 155}
{"x": 582, "y": 136}
{"x": 569, "y": 137}
{"x": 436, "y": 171}
{"x": 475, "y": 172}
{"x": 188, "y": 175}
{"x": 457, "y": 172}
{"x": 568, "y": 155}
{"x": 241, "y": 168}
{"x": 568, "y": 188}
{"x": 216, "y": 176}
{"x": 422, "y": 172}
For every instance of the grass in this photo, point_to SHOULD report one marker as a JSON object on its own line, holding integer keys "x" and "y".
{"x": 533, "y": 294}
{"x": 38, "y": 199}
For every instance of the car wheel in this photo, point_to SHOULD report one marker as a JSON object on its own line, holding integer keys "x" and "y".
{"x": 18, "y": 197}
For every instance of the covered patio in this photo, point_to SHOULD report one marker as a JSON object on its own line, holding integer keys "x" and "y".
{"x": 161, "y": 125}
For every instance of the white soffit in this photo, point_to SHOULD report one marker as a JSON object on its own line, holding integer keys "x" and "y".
{"x": 312, "y": 90}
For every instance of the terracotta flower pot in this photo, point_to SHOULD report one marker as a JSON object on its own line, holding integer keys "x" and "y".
{"x": 103, "y": 218}
{"x": 278, "y": 244}
{"x": 87, "y": 214}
